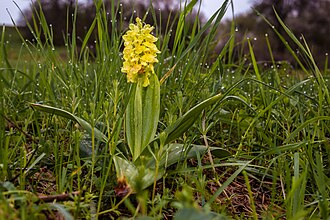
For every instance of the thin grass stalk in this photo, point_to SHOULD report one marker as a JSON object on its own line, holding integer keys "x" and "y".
{"x": 256, "y": 71}
{"x": 248, "y": 186}
{"x": 326, "y": 63}
{"x": 3, "y": 146}
{"x": 232, "y": 34}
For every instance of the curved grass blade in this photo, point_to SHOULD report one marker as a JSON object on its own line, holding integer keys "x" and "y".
{"x": 187, "y": 120}
{"x": 84, "y": 124}
{"x": 303, "y": 125}
{"x": 228, "y": 181}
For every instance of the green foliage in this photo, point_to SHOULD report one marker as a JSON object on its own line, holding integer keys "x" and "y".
{"x": 142, "y": 116}
{"x": 214, "y": 121}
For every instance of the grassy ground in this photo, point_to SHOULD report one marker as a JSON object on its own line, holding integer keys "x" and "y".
{"x": 272, "y": 122}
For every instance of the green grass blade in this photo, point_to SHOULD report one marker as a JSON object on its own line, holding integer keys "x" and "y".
{"x": 84, "y": 124}
{"x": 218, "y": 14}
{"x": 181, "y": 23}
{"x": 256, "y": 71}
{"x": 184, "y": 123}
{"x": 227, "y": 182}
{"x": 294, "y": 133}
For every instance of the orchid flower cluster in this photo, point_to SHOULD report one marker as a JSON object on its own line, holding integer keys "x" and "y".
{"x": 139, "y": 53}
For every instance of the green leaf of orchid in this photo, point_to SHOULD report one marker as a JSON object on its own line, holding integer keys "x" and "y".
{"x": 142, "y": 116}
{"x": 178, "y": 152}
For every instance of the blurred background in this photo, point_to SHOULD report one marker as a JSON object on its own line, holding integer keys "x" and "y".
{"x": 309, "y": 20}
{"x": 10, "y": 8}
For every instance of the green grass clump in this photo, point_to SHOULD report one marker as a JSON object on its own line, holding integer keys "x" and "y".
{"x": 273, "y": 120}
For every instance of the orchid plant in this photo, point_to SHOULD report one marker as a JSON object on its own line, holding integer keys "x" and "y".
{"x": 150, "y": 153}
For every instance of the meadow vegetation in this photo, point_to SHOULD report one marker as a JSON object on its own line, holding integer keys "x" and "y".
{"x": 231, "y": 137}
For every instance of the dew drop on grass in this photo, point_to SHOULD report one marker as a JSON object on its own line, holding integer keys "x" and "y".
{"x": 255, "y": 38}
{"x": 236, "y": 29}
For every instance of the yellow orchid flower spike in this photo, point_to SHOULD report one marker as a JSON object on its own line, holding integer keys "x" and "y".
{"x": 139, "y": 52}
